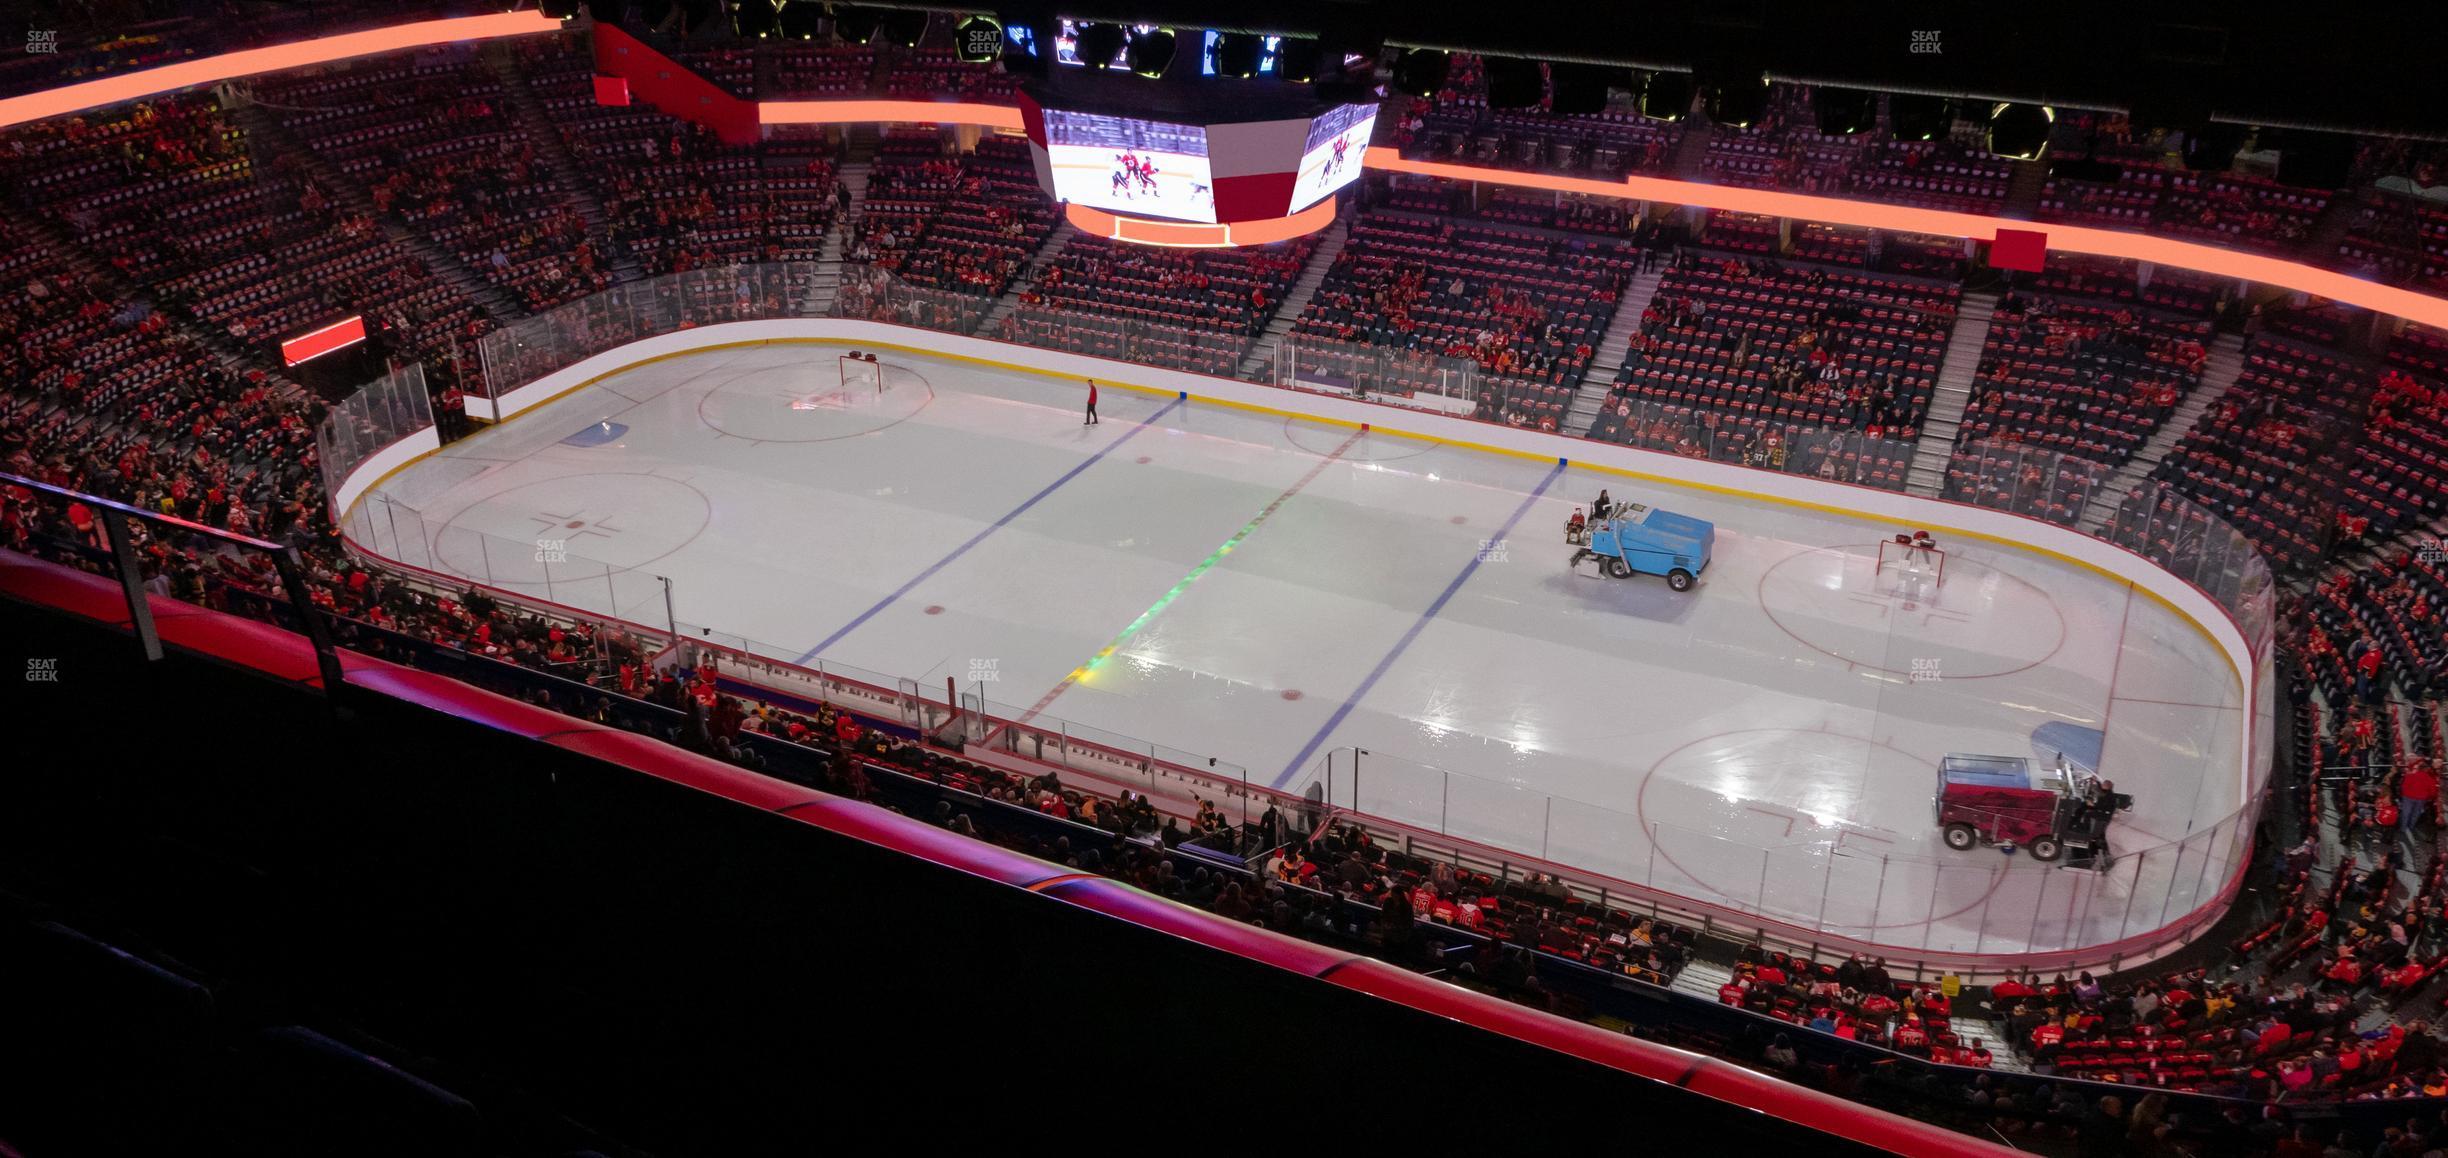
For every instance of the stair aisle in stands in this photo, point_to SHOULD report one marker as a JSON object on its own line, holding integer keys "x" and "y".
{"x": 1064, "y": 231}
{"x": 2226, "y": 361}
{"x": 1257, "y": 365}
{"x": 1953, "y": 393}
{"x": 1973, "y": 1029}
{"x": 1687, "y": 162}
{"x": 232, "y": 354}
{"x": 555, "y": 153}
{"x": 1701, "y": 977}
{"x": 273, "y": 136}
{"x": 2024, "y": 185}
{"x": 1612, "y": 346}
{"x": 853, "y": 178}
{"x": 2320, "y": 242}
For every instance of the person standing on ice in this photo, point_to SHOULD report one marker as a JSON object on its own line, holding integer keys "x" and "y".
{"x": 1091, "y": 420}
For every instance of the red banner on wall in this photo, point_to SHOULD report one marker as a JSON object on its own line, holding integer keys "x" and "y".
{"x": 2021, "y": 250}
{"x": 658, "y": 81}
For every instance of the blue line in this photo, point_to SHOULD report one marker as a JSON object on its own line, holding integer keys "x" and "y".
{"x": 980, "y": 537}
{"x": 1400, "y": 645}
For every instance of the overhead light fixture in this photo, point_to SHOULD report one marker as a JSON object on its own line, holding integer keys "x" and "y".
{"x": 753, "y": 18}
{"x": 1581, "y": 89}
{"x": 1346, "y": 66}
{"x": 1421, "y": 72}
{"x": 1920, "y": 118}
{"x": 1296, "y": 59}
{"x": 1666, "y": 96}
{"x": 802, "y": 19}
{"x": 1100, "y": 43}
{"x": 856, "y": 25}
{"x": 1844, "y": 112}
{"x": 906, "y": 26}
{"x": 1740, "y": 100}
{"x": 2212, "y": 148}
{"x": 1238, "y": 54}
{"x": 1151, "y": 52}
{"x": 2085, "y": 168}
{"x": 2019, "y": 131}
{"x": 558, "y": 9}
{"x": 2310, "y": 160}
{"x": 1514, "y": 83}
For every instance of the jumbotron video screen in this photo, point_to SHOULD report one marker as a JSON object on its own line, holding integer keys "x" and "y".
{"x": 1133, "y": 166}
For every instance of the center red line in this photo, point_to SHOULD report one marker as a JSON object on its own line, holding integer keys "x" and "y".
{"x": 1244, "y": 533}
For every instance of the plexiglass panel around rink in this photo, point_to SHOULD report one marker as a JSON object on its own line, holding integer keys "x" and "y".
{"x": 1839, "y": 837}
{"x": 1721, "y": 434}
{"x": 530, "y": 348}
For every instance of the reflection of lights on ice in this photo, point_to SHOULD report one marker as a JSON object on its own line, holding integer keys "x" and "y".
{"x": 826, "y": 400}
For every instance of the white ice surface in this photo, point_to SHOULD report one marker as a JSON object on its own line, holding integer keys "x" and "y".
{"x": 1765, "y": 742}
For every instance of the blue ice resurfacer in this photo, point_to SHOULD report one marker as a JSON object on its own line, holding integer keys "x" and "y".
{"x": 1640, "y": 540}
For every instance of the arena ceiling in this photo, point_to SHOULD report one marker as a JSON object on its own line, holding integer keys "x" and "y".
{"x": 2371, "y": 68}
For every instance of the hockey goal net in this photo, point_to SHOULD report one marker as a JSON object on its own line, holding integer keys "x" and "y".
{"x": 862, "y": 372}
{"x": 1924, "y": 561}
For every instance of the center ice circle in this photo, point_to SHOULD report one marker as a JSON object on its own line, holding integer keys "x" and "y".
{"x": 805, "y": 400}
{"x": 1984, "y": 622}
{"x": 574, "y": 525}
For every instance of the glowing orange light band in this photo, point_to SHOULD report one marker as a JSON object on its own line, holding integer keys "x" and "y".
{"x": 2272, "y": 271}
{"x": 120, "y": 89}
{"x": 2275, "y": 271}
{"x": 1196, "y": 234}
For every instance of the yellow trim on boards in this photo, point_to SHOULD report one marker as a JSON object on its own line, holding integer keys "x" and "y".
{"x": 371, "y": 487}
{"x": 1625, "y": 472}
{"x": 2244, "y": 684}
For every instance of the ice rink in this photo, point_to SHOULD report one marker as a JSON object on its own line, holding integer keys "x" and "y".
{"x": 1278, "y": 594}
